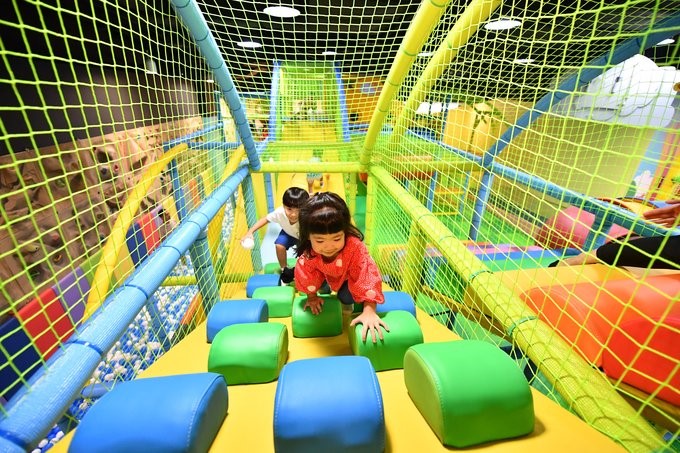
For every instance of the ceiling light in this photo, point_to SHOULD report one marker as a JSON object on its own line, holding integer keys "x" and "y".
{"x": 425, "y": 54}
{"x": 523, "y": 60}
{"x": 281, "y": 11}
{"x": 423, "y": 108}
{"x": 249, "y": 44}
{"x": 502, "y": 24}
{"x": 209, "y": 81}
{"x": 665, "y": 42}
{"x": 328, "y": 52}
{"x": 453, "y": 105}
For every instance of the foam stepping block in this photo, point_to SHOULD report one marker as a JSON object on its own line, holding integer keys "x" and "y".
{"x": 397, "y": 300}
{"x": 228, "y": 312}
{"x": 306, "y": 324}
{"x": 329, "y": 404}
{"x": 388, "y": 354}
{"x": 275, "y": 268}
{"x": 279, "y": 299}
{"x": 249, "y": 353}
{"x": 469, "y": 392}
{"x": 180, "y": 413}
{"x": 260, "y": 281}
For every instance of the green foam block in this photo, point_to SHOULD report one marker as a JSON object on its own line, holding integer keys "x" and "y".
{"x": 469, "y": 391}
{"x": 388, "y": 354}
{"x": 275, "y": 268}
{"x": 249, "y": 353}
{"x": 279, "y": 299}
{"x": 328, "y": 323}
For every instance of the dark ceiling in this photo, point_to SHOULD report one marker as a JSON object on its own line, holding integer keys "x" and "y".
{"x": 561, "y": 36}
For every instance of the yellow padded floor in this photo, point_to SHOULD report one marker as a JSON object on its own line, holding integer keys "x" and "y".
{"x": 249, "y": 423}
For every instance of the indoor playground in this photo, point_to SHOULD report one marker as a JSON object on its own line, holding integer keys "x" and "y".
{"x": 481, "y": 146}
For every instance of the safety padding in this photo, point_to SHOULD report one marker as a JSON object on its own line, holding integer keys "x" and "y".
{"x": 388, "y": 354}
{"x": 278, "y": 298}
{"x": 469, "y": 392}
{"x": 228, "y": 312}
{"x": 328, "y": 323}
{"x": 249, "y": 353}
{"x": 397, "y": 300}
{"x": 586, "y": 314}
{"x": 180, "y": 413}
{"x": 647, "y": 367}
{"x": 260, "y": 281}
{"x": 329, "y": 404}
{"x": 275, "y": 268}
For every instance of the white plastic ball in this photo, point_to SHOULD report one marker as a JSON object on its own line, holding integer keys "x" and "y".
{"x": 247, "y": 243}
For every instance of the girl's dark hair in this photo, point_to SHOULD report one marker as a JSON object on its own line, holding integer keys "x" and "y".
{"x": 324, "y": 213}
{"x": 295, "y": 197}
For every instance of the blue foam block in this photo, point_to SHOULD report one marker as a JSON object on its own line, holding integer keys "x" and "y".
{"x": 397, "y": 300}
{"x": 180, "y": 413}
{"x": 260, "y": 281}
{"x": 135, "y": 243}
{"x": 329, "y": 404}
{"x": 230, "y": 312}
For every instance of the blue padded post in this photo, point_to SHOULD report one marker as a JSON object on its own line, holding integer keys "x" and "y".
{"x": 259, "y": 281}
{"x": 329, "y": 404}
{"x": 397, "y": 300}
{"x": 180, "y": 413}
{"x": 230, "y": 312}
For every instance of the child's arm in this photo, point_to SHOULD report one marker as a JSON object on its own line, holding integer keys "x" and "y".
{"x": 308, "y": 280}
{"x": 259, "y": 224}
{"x": 365, "y": 285}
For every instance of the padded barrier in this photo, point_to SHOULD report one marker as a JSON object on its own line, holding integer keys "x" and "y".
{"x": 228, "y": 312}
{"x": 181, "y": 413}
{"x": 328, "y": 323}
{"x": 329, "y": 404}
{"x": 469, "y": 392}
{"x": 249, "y": 353}
{"x": 586, "y": 314}
{"x": 388, "y": 354}
{"x": 649, "y": 368}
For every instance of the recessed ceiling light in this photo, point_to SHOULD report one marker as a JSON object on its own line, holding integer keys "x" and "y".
{"x": 329, "y": 52}
{"x": 523, "y": 60}
{"x": 209, "y": 81}
{"x": 281, "y": 11}
{"x": 665, "y": 42}
{"x": 249, "y": 44}
{"x": 502, "y": 24}
{"x": 425, "y": 54}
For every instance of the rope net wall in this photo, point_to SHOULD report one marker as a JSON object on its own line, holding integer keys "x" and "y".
{"x": 489, "y": 154}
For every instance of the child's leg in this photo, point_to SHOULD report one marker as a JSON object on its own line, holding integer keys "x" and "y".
{"x": 344, "y": 295}
{"x": 281, "y": 255}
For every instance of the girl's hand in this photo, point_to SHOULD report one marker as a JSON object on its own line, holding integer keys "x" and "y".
{"x": 371, "y": 322}
{"x": 667, "y": 216}
{"x": 315, "y": 304}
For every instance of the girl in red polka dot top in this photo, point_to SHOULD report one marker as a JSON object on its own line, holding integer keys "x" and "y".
{"x": 331, "y": 249}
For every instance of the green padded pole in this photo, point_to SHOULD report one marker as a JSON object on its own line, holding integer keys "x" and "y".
{"x": 427, "y": 16}
{"x": 465, "y": 27}
{"x": 205, "y": 273}
{"x": 352, "y": 193}
{"x": 371, "y": 193}
{"x": 414, "y": 261}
